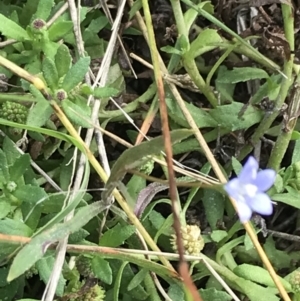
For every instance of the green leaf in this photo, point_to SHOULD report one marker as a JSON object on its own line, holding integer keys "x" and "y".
{"x": 102, "y": 269}
{"x": 207, "y": 40}
{"x": 218, "y": 235}
{"x": 104, "y": 92}
{"x": 137, "y": 5}
{"x": 98, "y": 24}
{"x": 59, "y": 29}
{"x": 45, "y": 267}
{"x": 50, "y": 73}
{"x": 211, "y": 294}
{"x": 137, "y": 155}
{"x": 259, "y": 275}
{"x": 12, "y": 30}
{"x": 137, "y": 279}
{"x": 171, "y": 50}
{"x": 30, "y": 194}
{"x": 202, "y": 118}
{"x": 243, "y": 74}
{"x": 290, "y": 198}
{"x": 296, "y": 152}
{"x": 116, "y": 236}
{"x": 4, "y": 171}
{"x": 4, "y": 209}
{"x": 19, "y": 167}
{"x": 76, "y": 74}
{"x": 228, "y": 116}
{"x": 63, "y": 60}
{"x": 41, "y": 112}
{"x": 14, "y": 227}
{"x": 11, "y": 152}
{"x": 214, "y": 204}
{"x": 118, "y": 281}
{"x": 44, "y": 9}
{"x": 75, "y": 113}
{"x": 236, "y": 165}
{"x": 35, "y": 249}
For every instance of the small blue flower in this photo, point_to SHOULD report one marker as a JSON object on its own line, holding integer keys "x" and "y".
{"x": 248, "y": 190}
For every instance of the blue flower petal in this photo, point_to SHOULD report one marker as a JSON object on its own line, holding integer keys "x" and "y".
{"x": 233, "y": 187}
{"x": 244, "y": 212}
{"x": 249, "y": 171}
{"x": 261, "y": 204}
{"x": 264, "y": 179}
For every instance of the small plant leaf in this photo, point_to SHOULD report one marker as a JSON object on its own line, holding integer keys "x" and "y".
{"x": 36, "y": 248}
{"x": 50, "y": 73}
{"x": 45, "y": 267}
{"x": 59, "y": 29}
{"x": 207, "y": 40}
{"x": 137, "y": 155}
{"x": 202, "y": 118}
{"x": 44, "y": 9}
{"x": 243, "y": 74}
{"x": 77, "y": 114}
{"x": 104, "y": 92}
{"x": 259, "y": 275}
{"x": 137, "y": 279}
{"x": 214, "y": 204}
{"x": 212, "y": 294}
{"x": 116, "y": 236}
{"x": 4, "y": 171}
{"x": 63, "y": 60}
{"x": 12, "y": 30}
{"x": 102, "y": 269}
{"x": 19, "y": 167}
{"x": 30, "y": 194}
{"x": 250, "y": 117}
{"x": 76, "y": 74}
{"x": 41, "y": 112}
{"x": 14, "y": 227}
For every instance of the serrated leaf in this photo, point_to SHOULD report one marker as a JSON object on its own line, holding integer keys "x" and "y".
{"x": 35, "y": 249}
{"x": 228, "y": 116}
{"x": 44, "y": 9}
{"x": 42, "y": 110}
{"x": 76, "y": 114}
{"x": 137, "y": 155}
{"x": 242, "y": 74}
{"x": 14, "y": 227}
{"x": 50, "y": 73}
{"x": 45, "y": 267}
{"x": 19, "y": 167}
{"x": 76, "y": 74}
{"x": 202, "y": 118}
{"x": 207, "y": 40}
{"x": 59, "y": 29}
{"x": 102, "y": 269}
{"x": 116, "y": 236}
{"x": 104, "y": 92}
{"x": 12, "y": 30}
{"x": 63, "y": 60}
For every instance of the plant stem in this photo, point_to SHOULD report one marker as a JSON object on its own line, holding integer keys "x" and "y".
{"x": 284, "y": 137}
{"x": 284, "y": 89}
{"x": 188, "y": 62}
